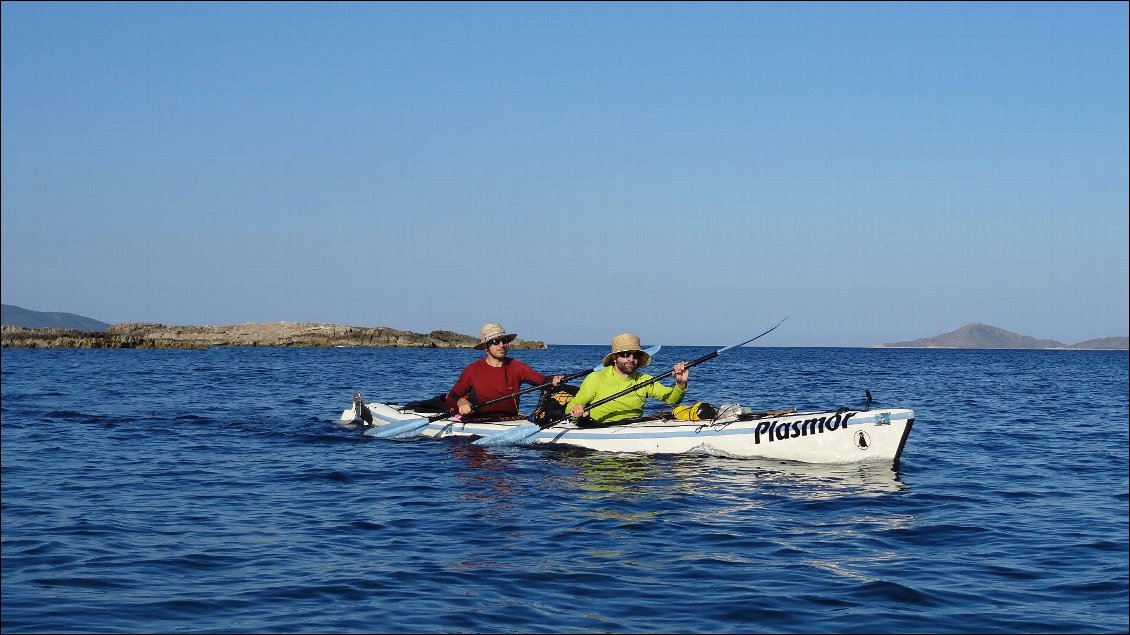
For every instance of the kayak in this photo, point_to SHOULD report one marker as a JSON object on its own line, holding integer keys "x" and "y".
{"x": 840, "y": 436}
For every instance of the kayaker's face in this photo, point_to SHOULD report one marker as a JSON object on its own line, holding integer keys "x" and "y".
{"x": 498, "y": 349}
{"x": 627, "y": 362}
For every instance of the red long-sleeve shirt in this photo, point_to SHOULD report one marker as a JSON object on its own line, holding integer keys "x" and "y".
{"x": 490, "y": 382}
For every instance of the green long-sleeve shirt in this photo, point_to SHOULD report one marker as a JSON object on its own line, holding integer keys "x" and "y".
{"x": 607, "y": 382}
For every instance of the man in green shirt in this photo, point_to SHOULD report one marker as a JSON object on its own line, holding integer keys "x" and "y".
{"x": 621, "y": 373}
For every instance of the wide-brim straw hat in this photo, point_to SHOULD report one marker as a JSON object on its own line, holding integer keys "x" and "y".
{"x": 492, "y": 331}
{"x": 627, "y": 342}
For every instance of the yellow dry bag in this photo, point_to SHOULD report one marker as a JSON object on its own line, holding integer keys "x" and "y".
{"x": 697, "y": 411}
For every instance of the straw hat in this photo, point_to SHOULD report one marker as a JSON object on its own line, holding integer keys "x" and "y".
{"x": 627, "y": 342}
{"x": 491, "y": 331}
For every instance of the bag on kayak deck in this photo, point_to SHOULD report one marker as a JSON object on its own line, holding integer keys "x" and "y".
{"x": 697, "y": 411}
{"x": 551, "y": 406}
{"x": 731, "y": 410}
{"x": 436, "y": 404}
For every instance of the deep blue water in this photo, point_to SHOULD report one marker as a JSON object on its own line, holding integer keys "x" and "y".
{"x": 213, "y": 491}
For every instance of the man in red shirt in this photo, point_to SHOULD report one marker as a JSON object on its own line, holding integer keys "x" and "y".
{"x": 496, "y": 375}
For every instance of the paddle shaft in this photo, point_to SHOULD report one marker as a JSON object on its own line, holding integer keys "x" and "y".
{"x": 537, "y": 387}
{"x": 445, "y": 415}
{"x": 440, "y": 416}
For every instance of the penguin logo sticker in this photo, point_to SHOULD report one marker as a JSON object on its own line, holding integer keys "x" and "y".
{"x": 862, "y": 440}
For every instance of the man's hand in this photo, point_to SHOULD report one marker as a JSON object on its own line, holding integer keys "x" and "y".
{"x": 681, "y": 374}
{"x": 464, "y": 406}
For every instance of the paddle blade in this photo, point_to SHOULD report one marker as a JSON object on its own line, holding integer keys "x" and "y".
{"x": 397, "y": 428}
{"x": 372, "y": 432}
{"x": 513, "y": 436}
{"x": 407, "y": 432}
{"x": 359, "y": 411}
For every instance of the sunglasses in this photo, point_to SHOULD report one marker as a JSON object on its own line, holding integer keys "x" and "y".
{"x": 498, "y": 341}
{"x": 627, "y": 354}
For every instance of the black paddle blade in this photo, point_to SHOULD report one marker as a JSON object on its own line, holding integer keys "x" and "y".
{"x": 361, "y": 410}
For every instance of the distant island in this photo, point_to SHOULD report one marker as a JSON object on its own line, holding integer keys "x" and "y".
{"x": 23, "y": 328}
{"x": 19, "y": 316}
{"x": 59, "y": 334}
{"x": 984, "y": 336}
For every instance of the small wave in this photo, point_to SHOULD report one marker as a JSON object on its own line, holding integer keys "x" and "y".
{"x": 195, "y": 562}
{"x": 83, "y": 583}
{"x": 939, "y": 534}
{"x": 68, "y": 414}
{"x": 72, "y": 416}
{"x": 1107, "y": 545}
{"x": 366, "y": 525}
{"x": 1091, "y": 588}
{"x": 887, "y": 591}
{"x": 333, "y": 476}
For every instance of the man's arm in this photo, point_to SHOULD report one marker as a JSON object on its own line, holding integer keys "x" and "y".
{"x": 585, "y": 395}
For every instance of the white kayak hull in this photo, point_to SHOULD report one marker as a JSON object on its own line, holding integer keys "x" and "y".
{"x": 846, "y": 436}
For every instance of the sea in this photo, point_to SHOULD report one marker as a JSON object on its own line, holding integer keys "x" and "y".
{"x": 216, "y": 490}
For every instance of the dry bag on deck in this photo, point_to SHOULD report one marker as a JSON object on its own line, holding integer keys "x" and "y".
{"x": 551, "y": 406}
{"x": 435, "y": 404}
{"x": 699, "y": 411}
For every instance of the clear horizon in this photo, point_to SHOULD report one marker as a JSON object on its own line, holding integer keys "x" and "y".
{"x": 879, "y": 172}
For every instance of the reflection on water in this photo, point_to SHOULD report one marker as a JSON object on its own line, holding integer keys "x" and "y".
{"x": 623, "y": 473}
{"x": 610, "y": 474}
{"x": 606, "y": 473}
{"x": 614, "y": 476}
{"x": 796, "y": 480}
{"x": 631, "y": 489}
{"x": 614, "y": 486}
{"x": 487, "y": 476}
{"x": 478, "y": 457}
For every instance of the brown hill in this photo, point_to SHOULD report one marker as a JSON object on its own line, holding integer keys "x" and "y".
{"x": 1105, "y": 344}
{"x": 985, "y": 336}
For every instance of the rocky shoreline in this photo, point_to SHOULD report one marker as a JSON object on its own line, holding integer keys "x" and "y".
{"x": 146, "y": 335}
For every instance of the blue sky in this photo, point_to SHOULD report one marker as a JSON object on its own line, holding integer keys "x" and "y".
{"x": 688, "y": 172}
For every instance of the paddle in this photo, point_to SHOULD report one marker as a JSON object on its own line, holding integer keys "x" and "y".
{"x": 525, "y": 433}
{"x": 412, "y": 427}
{"x": 361, "y": 410}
